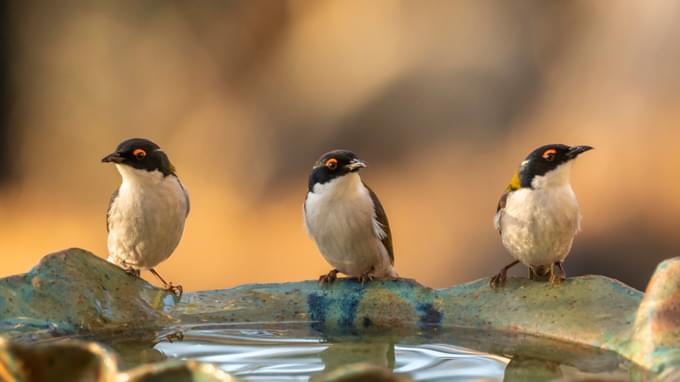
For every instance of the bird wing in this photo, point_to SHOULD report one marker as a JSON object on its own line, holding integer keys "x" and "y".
{"x": 304, "y": 216}
{"x": 499, "y": 211}
{"x": 500, "y": 207}
{"x": 186, "y": 196}
{"x": 108, "y": 210}
{"x": 382, "y": 226}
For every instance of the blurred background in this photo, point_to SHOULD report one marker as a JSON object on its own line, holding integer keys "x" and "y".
{"x": 442, "y": 98}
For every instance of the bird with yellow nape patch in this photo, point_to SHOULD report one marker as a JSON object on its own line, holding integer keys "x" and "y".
{"x": 538, "y": 214}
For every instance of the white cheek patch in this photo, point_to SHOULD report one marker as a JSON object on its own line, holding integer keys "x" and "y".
{"x": 320, "y": 189}
{"x": 558, "y": 177}
{"x": 138, "y": 176}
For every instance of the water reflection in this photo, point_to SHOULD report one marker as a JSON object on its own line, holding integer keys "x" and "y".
{"x": 522, "y": 369}
{"x": 297, "y": 353}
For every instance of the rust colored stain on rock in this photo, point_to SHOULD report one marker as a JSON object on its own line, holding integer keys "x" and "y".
{"x": 399, "y": 314}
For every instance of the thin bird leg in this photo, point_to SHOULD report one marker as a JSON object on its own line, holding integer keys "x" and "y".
{"x": 499, "y": 279}
{"x": 563, "y": 271}
{"x": 366, "y": 276}
{"x": 176, "y": 289}
{"x": 532, "y": 274}
{"x": 554, "y": 277}
{"x": 328, "y": 278}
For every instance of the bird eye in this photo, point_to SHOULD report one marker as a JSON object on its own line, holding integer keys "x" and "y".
{"x": 549, "y": 155}
{"x": 331, "y": 164}
{"x": 139, "y": 154}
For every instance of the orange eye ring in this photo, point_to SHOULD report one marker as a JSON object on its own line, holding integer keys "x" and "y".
{"x": 139, "y": 153}
{"x": 331, "y": 164}
{"x": 549, "y": 154}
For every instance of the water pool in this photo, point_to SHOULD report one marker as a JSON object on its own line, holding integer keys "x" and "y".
{"x": 298, "y": 351}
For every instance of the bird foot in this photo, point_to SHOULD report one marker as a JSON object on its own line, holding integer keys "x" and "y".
{"x": 132, "y": 271}
{"x": 328, "y": 278}
{"x": 368, "y": 276}
{"x": 557, "y": 278}
{"x": 498, "y": 281}
{"x": 177, "y": 290}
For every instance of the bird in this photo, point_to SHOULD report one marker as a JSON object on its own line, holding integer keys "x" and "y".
{"x": 538, "y": 214}
{"x": 347, "y": 221}
{"x": 146, "y": 214}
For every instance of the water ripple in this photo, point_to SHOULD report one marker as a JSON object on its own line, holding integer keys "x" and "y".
{"x": 291, "y": 354}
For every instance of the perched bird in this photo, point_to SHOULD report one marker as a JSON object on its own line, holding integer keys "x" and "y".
{"x": 347, "y": 221}
{"x": 538, "y": 215}
{"x": 146, "y": 214}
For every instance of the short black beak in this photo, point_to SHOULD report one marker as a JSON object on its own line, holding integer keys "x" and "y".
{"x": 113, "y": 158}
{"x": 356, "y": 164}
{"x": 577, "y": 150}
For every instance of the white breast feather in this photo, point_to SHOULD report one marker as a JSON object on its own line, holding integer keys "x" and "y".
{"x": 146, "y": 220}
{"x": 539, "y": 224}
{"x": 340, "y": 217}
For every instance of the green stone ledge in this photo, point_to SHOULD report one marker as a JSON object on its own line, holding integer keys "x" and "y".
{"x": 73, "y": 292}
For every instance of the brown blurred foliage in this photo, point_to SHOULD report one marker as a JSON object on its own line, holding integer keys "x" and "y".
{"x": 442, "y": 98}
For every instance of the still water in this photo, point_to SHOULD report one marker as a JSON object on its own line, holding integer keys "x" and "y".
{"x": 292, "y": 352}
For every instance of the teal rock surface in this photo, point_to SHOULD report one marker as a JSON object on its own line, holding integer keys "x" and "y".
{"x": 591, "y": 310}
{"x": 74, "y": 291}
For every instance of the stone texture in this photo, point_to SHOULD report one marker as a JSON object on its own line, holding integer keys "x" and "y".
{"x": 77, "y": 361}
{"x": 73, "y": 361}
{"x": 74, "y": 291}
{"x": 360, "y": 372}
{"x": 656, "y": 341}
{"x": 177, "y": 371}
{"x": 592, "y": 310}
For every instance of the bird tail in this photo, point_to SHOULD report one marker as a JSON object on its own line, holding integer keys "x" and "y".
{"x": 539, "y": 272}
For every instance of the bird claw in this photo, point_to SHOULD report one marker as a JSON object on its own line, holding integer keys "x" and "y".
{"x": 177, "y": 290}
{"x": 328, "y": 278}
{"x": 555, "y": 278}
{"x": 498, "y": 281}
{"x": 366, "y": 277}
{"x": 132, "y": 271}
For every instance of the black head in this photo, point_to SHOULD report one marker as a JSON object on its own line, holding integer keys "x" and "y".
{"x": 334, "y": 164}
{"x": 547, "y": 158}
{"x": 141, "y": 154}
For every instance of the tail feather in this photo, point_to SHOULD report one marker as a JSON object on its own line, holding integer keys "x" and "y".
{"x": 539, "y": 272}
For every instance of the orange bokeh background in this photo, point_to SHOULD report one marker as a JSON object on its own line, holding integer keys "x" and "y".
{"x": 443, "y": 99}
